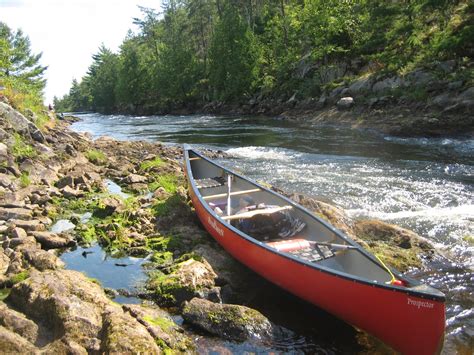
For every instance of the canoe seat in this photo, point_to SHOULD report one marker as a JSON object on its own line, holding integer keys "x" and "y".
{"x": 210, "y": 182}
{"x": 314, "y": 253}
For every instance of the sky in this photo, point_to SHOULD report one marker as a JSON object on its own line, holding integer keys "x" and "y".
{"x": 69, "y": 32}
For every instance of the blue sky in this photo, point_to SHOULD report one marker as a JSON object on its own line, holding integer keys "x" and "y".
{"x": 68, "y": 32}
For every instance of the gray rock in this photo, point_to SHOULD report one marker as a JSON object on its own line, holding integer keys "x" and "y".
{"x": 65, "y": 181}
{"x": 345, "y": 103}
{"x": 50, "y": 240}
{"x": 12, "y": 343}
{"x": 467, "y": 95}
{"x": 15, "y": 243}
{"x": 232, "y": 322}
{"x": 14, "y": 213}
{"x": 69, "y": 192}
{"x": 3, "y": 151}
{"x": 18, "y": 232}
{"x": 5, "y": 180}
{"x": 35, "y": 133}
{"x": 134, "y": 178}
{"x": 387, "y": 84}
{"x": 361, "y": 85}
{"x": 4, "y": 262}
{"x": 18, "y": 323}
{"x": 447, "y": 66}
{"x": 16, "y": 120}
{"x": 122, "y": 334}
{"x": 443, "y": 100}
{"x": 33, "y": 225}
{"x": 455, "y": 85}
{"x": 43, "y": 260}
{"x": 420, "y": 78}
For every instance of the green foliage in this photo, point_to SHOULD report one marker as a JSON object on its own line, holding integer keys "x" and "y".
{"x": 96, "y": 157}
{"x": 196, "y": 51}
{"x": 25, "y": 179}
{"x": 169, "y": 182}
{"x": 4, "y": 293}
{"x": 20, "y": 149}
{"x": 150, "y": 164}
{"x": 17, "y": 278}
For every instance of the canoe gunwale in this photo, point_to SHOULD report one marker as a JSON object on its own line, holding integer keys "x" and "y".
{"x": 437, "y": 295}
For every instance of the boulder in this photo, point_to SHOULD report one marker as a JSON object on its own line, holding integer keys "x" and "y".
{"x": 32, "y": 225}
{"x": 5, "y": 180}
{"x": 3, "y": 151}
{"x": 228, "y": 321}
{"x": 189, "y": 279}
{"x": 15, "y": 213}
{"x": 361, "y": 85}
{"x": 122, "y": 334}
{"x": 134, "y": 178}
{"x": 345, "y": 103}
{"x": 42, "y": 260}
{"x": 15, "y": 243}
{"x": 50, "y": 240}
{"x": 160, "y": 325}
{"x": 69, "y": 192}
{"x": 66, "y": 301}
{"x": 12, "y": 343}
{"x": 4, "y": 262}
{"x": 16, "y": 120}
{"x": 18, "y": 232}
{"x": 18, "y": 323}
{"x": 387, "y": 84}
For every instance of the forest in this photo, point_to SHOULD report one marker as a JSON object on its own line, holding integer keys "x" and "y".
{"x": 192, "y": 52}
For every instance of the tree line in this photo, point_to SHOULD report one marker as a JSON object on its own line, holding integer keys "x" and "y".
{"x": 193, "y": 52}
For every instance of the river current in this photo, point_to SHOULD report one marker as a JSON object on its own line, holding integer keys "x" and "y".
{"x": 424, "y": 184}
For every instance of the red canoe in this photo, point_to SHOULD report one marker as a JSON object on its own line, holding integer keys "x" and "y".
{"x": 313, "y": 260}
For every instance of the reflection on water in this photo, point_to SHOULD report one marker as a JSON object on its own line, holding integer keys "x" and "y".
{"x": 423, "y": 184}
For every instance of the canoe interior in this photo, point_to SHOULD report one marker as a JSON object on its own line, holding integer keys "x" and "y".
{"x": 349, "y": 261}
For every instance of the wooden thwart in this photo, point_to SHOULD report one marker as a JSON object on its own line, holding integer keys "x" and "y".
{"x": 196, "y": 158}
{"x": 210, "y": 197}
{"x": 250, "y": 214}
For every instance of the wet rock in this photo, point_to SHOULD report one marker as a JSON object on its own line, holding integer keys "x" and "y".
{"x": 345, "y": 103}
{"x": 50, "y": 240}
{"x": 160, "y": 325}
{"x": 232, "y": 322}
{"x": 187, "y": 280}
{"x": 15, "y": 213}
{"x": 18, "y": 323}
{"x": 67, "y": 301}
{"x": 398, "y": 247}
{"x": 42, "y": 260}
{"x": 109, "y": 205}
{"x": 12, "y": 343}
{"x": 123, "y": 334}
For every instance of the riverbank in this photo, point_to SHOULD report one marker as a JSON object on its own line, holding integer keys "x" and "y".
{"x": 59, "y": 174}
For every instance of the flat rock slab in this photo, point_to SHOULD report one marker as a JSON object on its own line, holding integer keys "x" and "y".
{"x": 33, "y": 225}
{"x": 50, "y": 240}
{"x": 14, "y": 213}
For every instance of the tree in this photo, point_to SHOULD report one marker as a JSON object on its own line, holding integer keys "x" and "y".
{"x": 17, "y": 63}
{"x": 101, "y": 80}
{"x": 233, "y": 57}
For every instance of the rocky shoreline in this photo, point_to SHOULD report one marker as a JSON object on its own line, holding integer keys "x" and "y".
{"x": 54, "y": 173}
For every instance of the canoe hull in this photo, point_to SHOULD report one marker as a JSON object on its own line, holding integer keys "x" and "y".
{"x": 410, "y": 324}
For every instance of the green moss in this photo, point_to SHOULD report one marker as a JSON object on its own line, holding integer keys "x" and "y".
{"x": 20, "y": 149}
{"x": 17, "y": 278}
{"x": 162, "y": 322}
{"x": 4, "y": 292}
{"x": 94, "y": 280}
{"x": 161, "y": 258}
{"x": 25, "y": 179}
{"x": 468, "y": 239}
{"x": 96, "y": 157}
{"x": 149, "y": 164}
{"x": 165, "y": 207}
{"x": 169, "y": 182}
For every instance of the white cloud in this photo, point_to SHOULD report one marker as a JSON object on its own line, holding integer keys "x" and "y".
{"x": 69, "y": 32}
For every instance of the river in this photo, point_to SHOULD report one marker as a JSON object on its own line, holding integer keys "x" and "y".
{"x": 426, "y": 185}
